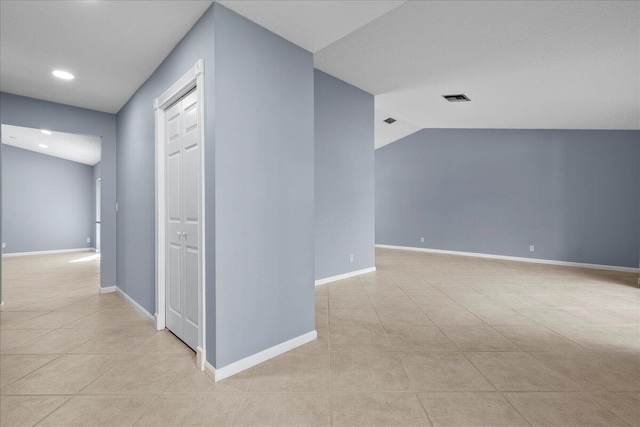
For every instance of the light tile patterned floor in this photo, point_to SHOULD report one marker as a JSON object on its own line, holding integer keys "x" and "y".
{"x": 426, "y": 340}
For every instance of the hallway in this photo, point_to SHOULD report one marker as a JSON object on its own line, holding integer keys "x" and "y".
{"x": 91, "y": 356}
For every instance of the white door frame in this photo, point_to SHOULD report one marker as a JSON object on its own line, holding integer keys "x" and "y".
{"x": 98, "y": 219}
{"x": 192, "y": 79}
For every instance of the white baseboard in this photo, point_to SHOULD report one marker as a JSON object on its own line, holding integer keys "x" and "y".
{"x": 137, "y": 306}
{"x": 263, "y": 356}
{"x": 57, "y": 251}
{"x": 107, "y": 289}
{"x": 345, "y": 276}
{"x": 514, "y": 258}
{"x": 209, "y": 370}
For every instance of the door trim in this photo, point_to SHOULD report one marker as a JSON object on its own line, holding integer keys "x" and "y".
{"x": 97, "y": 241}
{"x": 194, "y": 78}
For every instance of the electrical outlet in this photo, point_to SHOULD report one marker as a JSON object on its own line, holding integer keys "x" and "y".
{"x": 88, "y": 240}
{"x": 350, "y": 258}
{"x": 422, "y": 239}
{"x": 532, "y": 248}
{"x": 4, "y": 245}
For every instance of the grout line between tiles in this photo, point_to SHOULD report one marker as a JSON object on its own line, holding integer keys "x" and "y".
{"x": 55, "y": 409}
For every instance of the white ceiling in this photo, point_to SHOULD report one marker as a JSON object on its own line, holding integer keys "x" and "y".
{"x": 567, "y": 65}
{"x": 310, "y": 24}
{"x": 112, "y": 47}
{"x": 77, "y": 148}
{"x": 387, "y": 133}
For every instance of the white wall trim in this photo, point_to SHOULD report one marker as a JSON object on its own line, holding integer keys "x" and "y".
{"x": 263, "y": 356}
{"x": 135, "y": 305}
{"x": 209, "y": 369}
{"x": 57, "y": 251}
{"x": 194, "y": 78}
{"x": 181, "y": 87}
{"x": 344, "y": 276}
{"x": 514, "y": 258}
{"x": 107, "y": 289}
{"x": 156, "y": 322}
{"x": 201, "y": 357}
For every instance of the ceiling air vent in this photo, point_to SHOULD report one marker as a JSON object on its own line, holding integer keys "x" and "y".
{"x": 390, "y": 120}
{"x": 456, "y": 98}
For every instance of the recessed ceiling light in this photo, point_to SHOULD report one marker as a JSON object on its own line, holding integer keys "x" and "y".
{"x": 43, "y": 146}
{"x": 64, "y": 75}
{"x": 46, "y": 132}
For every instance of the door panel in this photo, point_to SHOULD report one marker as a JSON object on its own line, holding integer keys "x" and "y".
{"x": 173, "y": 175}
{"x": 191, "y": 179}
{"x": 191, "y": 112}
{"x": 191, "y": 282}
{"x": 173, "y": 123}
{"x": 175, "y": 273}
{"x": 183, "y": 196}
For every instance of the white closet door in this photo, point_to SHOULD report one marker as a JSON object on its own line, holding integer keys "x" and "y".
{"x": 182, "y": 170}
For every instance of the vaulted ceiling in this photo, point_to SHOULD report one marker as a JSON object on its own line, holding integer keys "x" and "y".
{"x": 531, "y": 65}
{"x": 77, "y": 148}
{"x": 536, "y": 65}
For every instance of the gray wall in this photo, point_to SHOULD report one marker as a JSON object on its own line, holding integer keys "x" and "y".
{"x": 264, "y": 188}
{"x": 48, "y": 202}
{"x": 136, "y": 172}
{"x": 28, "y": 112}
{"x": 258, "y": 191}
{"x": 573, "y": 194}
{"x": 344, "y": 177}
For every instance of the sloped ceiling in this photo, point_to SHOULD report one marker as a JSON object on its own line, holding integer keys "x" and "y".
{"x": 535, "y": 65}
{"x": 84, "y": 149}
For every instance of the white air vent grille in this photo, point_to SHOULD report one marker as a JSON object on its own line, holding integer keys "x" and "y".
{"x": 456, "y": 98}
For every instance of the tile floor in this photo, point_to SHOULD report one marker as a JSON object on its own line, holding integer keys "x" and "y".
{"x": 426, "y": 340}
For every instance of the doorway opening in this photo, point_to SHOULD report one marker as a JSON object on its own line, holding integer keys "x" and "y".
{"x": 50, "y": 206}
